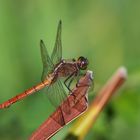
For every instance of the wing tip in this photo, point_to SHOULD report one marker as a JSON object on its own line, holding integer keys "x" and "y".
{"x": 60, "y": 22}
{"x": 41, "y": 41}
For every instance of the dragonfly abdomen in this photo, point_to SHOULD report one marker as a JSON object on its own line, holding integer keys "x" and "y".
{"x": 28, "y": 92}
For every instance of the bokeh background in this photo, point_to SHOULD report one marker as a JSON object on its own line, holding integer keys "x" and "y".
{"x": 107, "y": 32}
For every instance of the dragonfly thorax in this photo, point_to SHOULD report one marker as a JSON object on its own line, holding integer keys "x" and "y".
{"x": 82, "y": 63}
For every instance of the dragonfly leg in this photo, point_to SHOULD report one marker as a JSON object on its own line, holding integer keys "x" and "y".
{"x": 70, "y": 82}
{"x": 68, "y": 86}
{"x": 71, "y": 76}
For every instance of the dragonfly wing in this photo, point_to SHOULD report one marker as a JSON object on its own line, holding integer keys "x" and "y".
{"x": 46, "y": 60}
{"x": 57, "y": 51}
{"x": 56, "y": 93}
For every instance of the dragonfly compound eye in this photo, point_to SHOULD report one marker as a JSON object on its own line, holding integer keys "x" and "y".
{"x": 82, "y": 63}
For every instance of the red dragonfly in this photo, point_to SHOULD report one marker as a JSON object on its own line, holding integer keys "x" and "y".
{"x": 54, "y": 68}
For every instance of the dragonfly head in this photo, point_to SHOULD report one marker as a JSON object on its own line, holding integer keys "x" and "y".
{"x": 82, "y": 63}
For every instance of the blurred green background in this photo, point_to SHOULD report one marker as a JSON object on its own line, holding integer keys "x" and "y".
{"x": 107, "y": 32}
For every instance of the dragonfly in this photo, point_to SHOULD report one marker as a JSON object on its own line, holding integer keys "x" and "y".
{"x": 54, "y": 68}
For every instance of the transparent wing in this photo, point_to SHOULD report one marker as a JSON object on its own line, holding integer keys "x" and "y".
{"x": 46, "y": 60}
{"x": 57, "y": 51}
{"x": 56, "y": 93}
